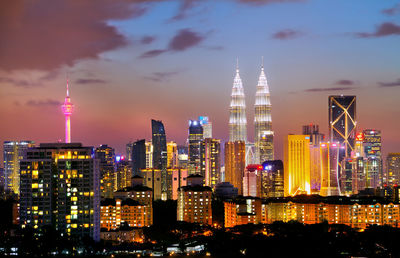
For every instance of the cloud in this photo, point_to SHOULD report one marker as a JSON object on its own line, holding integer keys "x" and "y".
{"x": 47, "y": 34}
{"x": 286, "y": 34}
{"x": 90, "y": 81}
{"x": 183, "y": 40}
{"x": 385, "y": 29}
{"x": 389, "y": 84}
{"x": 185, "y": 6}
{"x": 161, "y": 76}
{"x": 19, "y": 83}
{"x": 262, "y": 2}
{"x": 330, "y": 89}
{"x": 345, "y": 82}
{"x": 392, "y": 11}
{"x": 43, "y": 103}
{"x": 147, "y": 40}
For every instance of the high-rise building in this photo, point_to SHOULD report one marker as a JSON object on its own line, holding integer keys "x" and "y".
{"x": 138, "y": 156}
{"x": 67, "y": 109}
{"x": 329, "y": 168}
{"x": 250, "y": 153}
{"x": 194, "y": 139}
{"x": 172, "y": 155}
{"x": 149, "y": 154}
{"x": 272, "y": 179}
{"x": 129, "y": 151}
{"x": 237, "y": 111}
{"x": 242, "y": 211}
{"x": 159, "y": 141}
{"x": 13, "y": 153}
{"x": 342, "y": 122}
{"x": 194, "y": 202}
{"x": 210, "y": 161}
{"x": 106, "y": 157}
{"x": 252, "y": 180}
{"x": 315, "y": 136}
{"x": 60, "y": 188}
{"x": 263, "y": 136}
{"x": 207, "y": 126}
{"x": 235, "y": 164}
{"x": 373, "y": 152}
{"x": 393, "y": 169}
{"x": 297, "y": 165}
{"x": 152, "y": 179}
{"x": 123, "y": 174}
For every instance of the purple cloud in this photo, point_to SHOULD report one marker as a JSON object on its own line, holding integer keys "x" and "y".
{"x": 389, "y": 84}
{"x": 345, "y": 82}
{"x": 160, "y": 76}
{"x": 329, "y": 89}
{"x": 287, "y": 34}
{"x": 43, "y": 103}
{"x": 18, "y": 83}
{"x": 60, "y": 32}
{"x": 183, "y": 40}
{"x": 385, "y": 29}
{"x": 147, "y": 40}
{"x": 90, "y": 81}
{"x": 392, "y": 11}
{"x": 183, "y": 9}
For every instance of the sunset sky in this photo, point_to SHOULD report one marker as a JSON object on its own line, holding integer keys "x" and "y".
{"x": 129, "y": 61}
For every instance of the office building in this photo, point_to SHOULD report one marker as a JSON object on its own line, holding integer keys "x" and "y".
{"x": 272, "y": 179}
{"x": 123, "y": 174}
{"x": 172, "y": 155}
{"x": 342, "y": 122}
{"x": 60, "y": 187}
{"x": 313, "y": 131}
{"x": 235, "y": 164}
{"x": 297, "y": 165}
{"x": 159, "y": 141}
{"x": 13, "y": 153}
{"x": 194, "y": 139}
{"x": 152, "y": 179}
{"x": 393, "y": 169}
{"x": 242, "y": 211}
{"x": 138, "y": 156}
{"x": 106, "y": 157}
{"x": 210, "y": 161}
{"x": 207, "y": 126}
{"x": 252, "y": 180}
{"x": 149, "y": 154}
{"x": 179, "y": 177}
{"x": 373, "y": 152}
{"x": 237, "y": 111}
{"x": 263, "y": 136}
{"x": 329, "y": 168}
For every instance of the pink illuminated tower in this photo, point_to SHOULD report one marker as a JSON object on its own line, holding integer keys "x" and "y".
{"x": 67, "y": 108}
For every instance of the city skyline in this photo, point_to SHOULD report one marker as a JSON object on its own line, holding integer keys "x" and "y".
{"x": 114, "y": 88}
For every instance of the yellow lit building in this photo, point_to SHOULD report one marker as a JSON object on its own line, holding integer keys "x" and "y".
{"x": 172, "y": 154}
{"x": 194, "y": 204}
{"x": 235, "y": 164}
{"x": 241, "y": 211}
{"x": 297, "y": 165}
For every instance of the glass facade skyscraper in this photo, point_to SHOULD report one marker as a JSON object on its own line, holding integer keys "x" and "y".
{"x": 195, "y": 138}
{"x": 159, "y": 141}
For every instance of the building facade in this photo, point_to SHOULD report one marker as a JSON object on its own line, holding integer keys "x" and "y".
{"x": 210, "y": 161}
{"x": 272, "y": 179}
{"x": 195, "y": 138}
{"x": 237, "y": 111}
{"x": 106, "y": 157}
{"x": 235, "y": 164}
{"x": 194, "y": 204}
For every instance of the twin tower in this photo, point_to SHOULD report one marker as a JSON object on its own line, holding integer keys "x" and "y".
{"x": 264, "y": 136}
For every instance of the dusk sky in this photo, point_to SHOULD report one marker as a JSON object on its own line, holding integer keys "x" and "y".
{"x": 129, "y": 61}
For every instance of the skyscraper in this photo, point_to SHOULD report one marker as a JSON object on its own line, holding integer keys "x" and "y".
{"x": 237, "y": 111}
{"x": 252, "y": 180}
{"x": 194, "y": 139}
{"x": 393, "y": 169}
{"x": 297, "y": 165}
{"x": 60, "y": 188}
{"x": 207, "y": 126}
{"x": 67, "y": 108}
{"x": 172, "y": 154}
{"x": 159, "y": 141}
{"x": 13, "y": 153}
{"x": 272, "y": 179}
{"x": 123, "y": 174}
{"x": 329, "y": 168}
{"x": 210, "y": 161}
{"x": 342, "y": 122}
{"x": 315, "y": 136}
{"x": 373, "y": 153}
{"x": 263, "y": 136}
{"x": 235, "y": 164}
{"x": 106, "y": 157}
{"x": 138, "y": 157}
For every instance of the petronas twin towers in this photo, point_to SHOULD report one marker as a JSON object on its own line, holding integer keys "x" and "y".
{"x": 263, "y": 137}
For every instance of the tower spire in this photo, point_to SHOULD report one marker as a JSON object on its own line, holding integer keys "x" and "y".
{"x": 67, "y": 109}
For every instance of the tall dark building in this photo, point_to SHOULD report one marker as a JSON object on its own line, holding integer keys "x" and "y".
{"x": 342, "y": 122}
{"x": 272, "y": 179}
{"x": 315, "y": 136}
{"x": 195, "y": 138}
{"x": 138, "y": 157}
{"x": 106, "y": 156}
{"x": 60, "y": 188}
{"x": 160, "y": 156}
